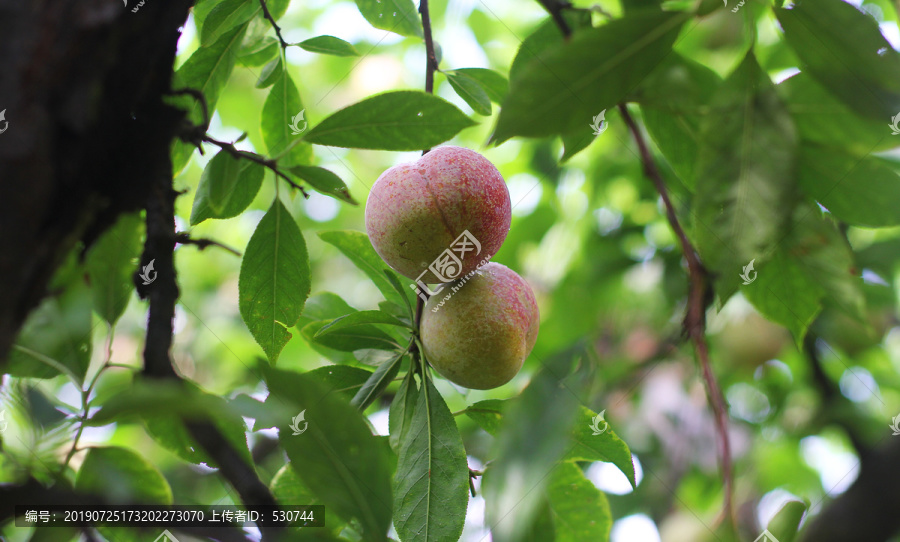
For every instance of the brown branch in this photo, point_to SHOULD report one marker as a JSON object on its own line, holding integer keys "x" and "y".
{"x": 695, "y": 316}
{"x": 555, "y": 9}
{"x": 431, "y": 64}
{"x": 185, "y": 239}
{"x": 255, "y": 158}
{"x": 267, "y": 15}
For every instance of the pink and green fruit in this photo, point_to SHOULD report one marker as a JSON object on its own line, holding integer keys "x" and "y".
{"x": 480, "y": 336}
{"x": 415, "y": 211}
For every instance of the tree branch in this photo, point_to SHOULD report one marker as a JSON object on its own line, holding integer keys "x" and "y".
{"x": 202, "y": 244}
{"x": 694, "y": 324}
{"x": 555, "y": 9}
{"x": 431, "y": 64}
{"x": 255, "y": 158}
{"x": 267, "y": 15}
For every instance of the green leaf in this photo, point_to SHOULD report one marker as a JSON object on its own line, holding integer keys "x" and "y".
{"x": 579, "y": 510}
{"x": 545, "y": 36}
{"x": 495, "y": 85}
{"x": 56, "y": 336}
{"x": 431, "y": 487}
{"x": 471, "y": 92}
{"x": 349, "y": 340}
{"x": 744, "y": 194}
{"x": 337, "y": 457}
{"x": 487, "y": 414}
{"x": 341, "y": 379}
{"x": 859, "y": 191}
{"x": 673, "y": 100}
{"x": 288, "y": 489}
{"x": 786, "y": 522}
{"x": 844, "y": 50}
{"x": 225, "y": 16}
{"x": 377, "y": 382}
{"x": 590, "y": 72}
{"x": 606, "y": 447}
{"x": 111, "y": 264}
{"x": 533, "y": 438}
{"x": 245, "y": 179}
{"x": 398, "y": 16}
{"x": 281, "y": 108}
{"x": 359, "y": 318}
{"x": 403, "y": 120}
{"x": 259, "y": 53}
{"x": 324, "y": 181}
{"x": 329, "y": 45}
{"x": 274, "y": 281}
{"x": 270, "y": 73}
{"x": 401, "y": 411}
{"x": 822, "y": 119}
{"x": 207, "y": 71}
{"x": 122, "y": 476}
{"x": 356, "y": 246}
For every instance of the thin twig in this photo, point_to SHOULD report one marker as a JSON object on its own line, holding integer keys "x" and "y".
{"x": 255, "y": 158}
{"x": 695, "y": 315}
{"x": 267, "y": 15}
{"x": 431, "y": 64}
{"x": 555, "y": 9}
{"x": 185, "y": 239}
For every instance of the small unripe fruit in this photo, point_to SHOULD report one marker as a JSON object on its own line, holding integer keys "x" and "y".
{"x": 480, "y": 336}
{"x": 415, "y": 211}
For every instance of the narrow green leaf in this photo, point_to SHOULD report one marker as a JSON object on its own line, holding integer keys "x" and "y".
{"x": 274, "y": 281}
{"x": 376, "y": 384}
{"x": 401, "y": 412}
{"x": 859, "y": 191}
{"x": 324, "y": 181}
{"x": 431, "y": 487}
{"x": 487, "y": 414}
{"x": 786, "y": 523}
{"x": 336, "y": 456}
{"x": 283, "y": 121}
{"x": 607, "y": 446}
{"x": 329, "y": 45}
{"x": 236, "y": 198}
{"x": 844, "y": 50}
{"x": 495, "y": 85}
{"x": 123, "y": 476}
{"x": 356, "y": 246}
{"x": 579, "y": 510}
{"x": 590, "y": 72}
{"x": 359, "y": 318}
{"x": 471, "y": 92}
{"x": 270, "y": 73}
{"x": 288, "y": 489}
{"x": 226, "y": 15}
{"x": 544, "y": 37}
{"x": 111, "y": 264}
{"x": 258, "y": 53}
{"x": 351, "y": 339}
{"x": 207, "y": 71}
{"x": 744, "y": 192}
{"x": 403, "y": 120}
{"x": 398, "y": 16}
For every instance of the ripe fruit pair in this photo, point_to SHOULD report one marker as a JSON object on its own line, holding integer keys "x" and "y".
{"x": 440, "y": 218}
